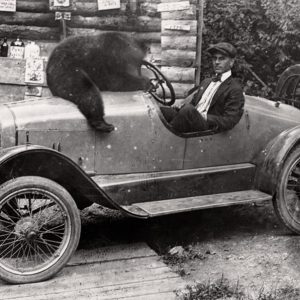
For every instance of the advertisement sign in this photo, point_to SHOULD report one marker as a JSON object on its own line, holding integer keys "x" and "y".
{"x": 8, "y": 5}
{"x": 108, "y": 4}
{"x": 34, "y": 71}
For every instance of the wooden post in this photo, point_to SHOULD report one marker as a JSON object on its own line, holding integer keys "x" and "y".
{"x": 199, "y": 42}
{"x": 63, "y": 17}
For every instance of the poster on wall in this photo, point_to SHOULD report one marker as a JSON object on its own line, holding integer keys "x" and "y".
{"x": 62, "y": 5}
{"x": 8, "y": 5}
{"x": 108, "y": 4}
{"x": 34, "y": 71}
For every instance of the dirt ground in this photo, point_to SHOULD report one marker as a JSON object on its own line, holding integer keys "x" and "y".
{"x": 245, "y": 244}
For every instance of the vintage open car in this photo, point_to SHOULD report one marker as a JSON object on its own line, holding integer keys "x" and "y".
{"x": 52, "y": 164}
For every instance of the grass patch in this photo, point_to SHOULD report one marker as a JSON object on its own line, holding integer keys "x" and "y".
{"x": 223, "y": 290}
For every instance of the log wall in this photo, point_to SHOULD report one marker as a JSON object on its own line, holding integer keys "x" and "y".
{"x": 169, "y": 46}
{"x": 178, "y": 43}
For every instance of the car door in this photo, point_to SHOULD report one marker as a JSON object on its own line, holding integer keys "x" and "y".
{"x": 140, "y": 142}
{"x": 224, "y": 148}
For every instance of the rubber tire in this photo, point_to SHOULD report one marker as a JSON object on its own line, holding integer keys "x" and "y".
{"x": 52, "y": 187}
{"x": 278, "y": 201}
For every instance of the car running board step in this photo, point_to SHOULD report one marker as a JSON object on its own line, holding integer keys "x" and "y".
{"x": 171, "y": 206}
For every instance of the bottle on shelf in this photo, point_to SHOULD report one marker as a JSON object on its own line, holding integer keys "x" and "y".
{"x": 4, "y": 48}
{"x": 17, "y": 49}
{"x": 32, "y": 50}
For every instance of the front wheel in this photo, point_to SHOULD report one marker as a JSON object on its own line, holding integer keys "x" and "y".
{"x": 287, "y": 201}
{"x": 39, "y": 229}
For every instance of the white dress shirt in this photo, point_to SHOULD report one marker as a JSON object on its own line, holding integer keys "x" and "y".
{"x": 209, "y": 93}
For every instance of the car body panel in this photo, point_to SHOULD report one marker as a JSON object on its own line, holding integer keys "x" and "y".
{"x": 140, "y": 142}
{"x": 143, "y": 159}
{"x": 272, "y": 158}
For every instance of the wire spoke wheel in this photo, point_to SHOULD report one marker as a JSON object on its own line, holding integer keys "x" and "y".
{"x": 39, "y": 229}
{"x": 287, "y": 203}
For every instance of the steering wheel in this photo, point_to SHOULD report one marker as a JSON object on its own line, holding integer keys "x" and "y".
{"x": 159, "y": 84}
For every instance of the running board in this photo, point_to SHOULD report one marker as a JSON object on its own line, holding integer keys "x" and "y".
{"x": 171, "y": 206}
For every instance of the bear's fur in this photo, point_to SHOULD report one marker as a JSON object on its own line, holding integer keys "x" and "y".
{"x": 81, "y": 66}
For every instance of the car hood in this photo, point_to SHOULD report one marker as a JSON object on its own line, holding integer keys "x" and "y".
{"x": 54, "y": 113}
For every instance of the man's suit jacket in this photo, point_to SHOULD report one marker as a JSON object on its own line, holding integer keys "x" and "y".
{"x": 226, "y": 108}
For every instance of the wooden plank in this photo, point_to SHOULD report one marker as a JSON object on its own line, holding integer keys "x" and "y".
{"x": 166, "y": 24}
{"x": 188, "y": 14}
{"x": 30, "y": 32}
{"x": 117, "y": 22}
{"x": 178, "y": 58}
{"x": 33, "y": 6}
{"x": 179, "y": 42}
{"x": 181, "y": 89}
{"x": 159, "y": 208}
{"x": 160, "y": 288}
{"x": 28, "y": 19}
{"x": 177, "y": 74}
{"x": 168, "y": 1}
{"x": 112, "y": 253}
{"x": 171, "y": 6}
{"x": 108, "y": 280}
{"x": 149, "y": 262}
{"x": 127, "y": 276}
{"x": 146, "y": 36}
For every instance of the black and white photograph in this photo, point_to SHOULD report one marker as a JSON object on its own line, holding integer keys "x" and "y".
{"x": 150, "y": 149}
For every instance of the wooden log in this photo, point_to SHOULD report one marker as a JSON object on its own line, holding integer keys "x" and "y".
{"x": 33, "y": 6}
{"x": 28, "y": 19}
{"x": 177, "y": 74}
{"x": 191, "y": 1}
{"x": 188, "y": 14}
{"x": 30, "y": 32}
{"x": 91, "y": 8}
{"x": 149, "y": 9}
{"x": 178, "y": 27}
{"x": 154, "y": 53}
{"x": 178, "y": 42}
{"x": 144, "y": 36}
{"x": 178, "y": 58}
{"x": 181, "y": 89}
{"x": 146, "y": 24}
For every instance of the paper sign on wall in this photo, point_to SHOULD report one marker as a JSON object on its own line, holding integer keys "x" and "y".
{"x": 172, "y": 6}
{"x": 34, "y": 71}
{"x": 108, "y": 4}
{"x": 8, "y": 5}
{"x": 61, "y": 2}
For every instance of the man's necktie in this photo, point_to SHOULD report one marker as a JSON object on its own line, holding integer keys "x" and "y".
{"x": 216, "y": 77}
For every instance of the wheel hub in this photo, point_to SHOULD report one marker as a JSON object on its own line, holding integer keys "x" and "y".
{"x": 26, "y": 228}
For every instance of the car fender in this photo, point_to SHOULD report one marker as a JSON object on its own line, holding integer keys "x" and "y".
{"x": 34, "y": 160}
{"x": 272, "y": 158}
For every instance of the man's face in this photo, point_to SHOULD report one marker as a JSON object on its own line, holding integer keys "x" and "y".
{"x": 222, "y": 63}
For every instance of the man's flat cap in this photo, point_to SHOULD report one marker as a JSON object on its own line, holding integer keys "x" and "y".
{"x": 223, "y": 47}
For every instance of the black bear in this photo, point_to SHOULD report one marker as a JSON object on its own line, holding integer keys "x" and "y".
{"x": 81, "y": 66}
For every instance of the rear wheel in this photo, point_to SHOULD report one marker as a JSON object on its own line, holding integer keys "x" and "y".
{"x": 287, "y": 201}
{"x": 39, "y": 229}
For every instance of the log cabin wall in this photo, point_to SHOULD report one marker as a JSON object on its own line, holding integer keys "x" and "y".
{"x": 173, "y": 49}
{"x": 178, "y": 42}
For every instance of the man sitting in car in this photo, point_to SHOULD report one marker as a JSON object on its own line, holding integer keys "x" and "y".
{"x": 219, "y": 101}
